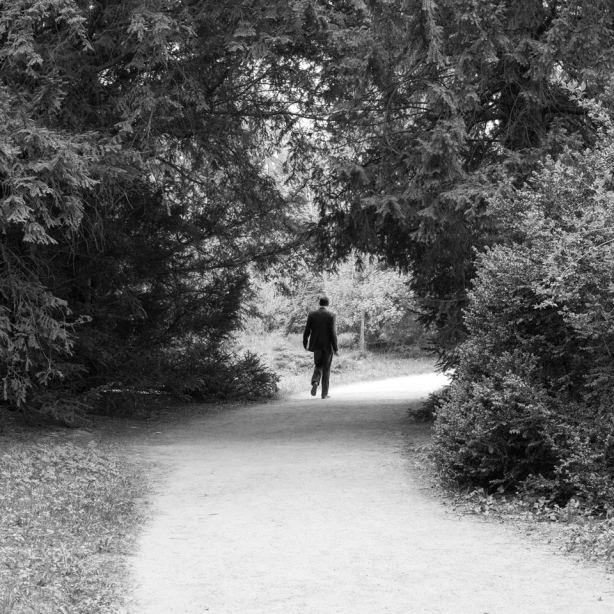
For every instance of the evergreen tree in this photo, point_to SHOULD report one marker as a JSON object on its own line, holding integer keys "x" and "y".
{"x": 134, "y": 190}
{"x": 429, "y": 107}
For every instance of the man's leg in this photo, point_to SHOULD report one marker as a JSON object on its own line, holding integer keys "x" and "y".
{"x": 317, "y": 372}
{"x": 327, "y": 360}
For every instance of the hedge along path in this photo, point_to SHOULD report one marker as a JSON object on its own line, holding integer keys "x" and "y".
{"x": 313, "y": 507}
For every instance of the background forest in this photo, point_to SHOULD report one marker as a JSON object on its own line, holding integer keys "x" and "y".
{"x": 159, "y": 159}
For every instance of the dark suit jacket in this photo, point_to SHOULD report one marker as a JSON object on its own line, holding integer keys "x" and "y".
{"x": 321, "y": 331}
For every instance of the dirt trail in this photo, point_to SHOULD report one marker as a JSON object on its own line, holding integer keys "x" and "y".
{"x": 311, "y": 507}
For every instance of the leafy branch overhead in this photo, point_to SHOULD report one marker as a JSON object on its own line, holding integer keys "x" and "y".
{"x": 436, "y": 106}
{"x": 151, "y": 151}
{"x": 134, "y": 189}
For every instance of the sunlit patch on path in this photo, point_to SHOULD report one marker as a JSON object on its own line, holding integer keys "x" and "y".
{"x": 310, "y": 507}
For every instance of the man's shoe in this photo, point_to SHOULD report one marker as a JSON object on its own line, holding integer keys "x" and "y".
{"x": 326, "y": 397}
{"x": 314, "y": 388}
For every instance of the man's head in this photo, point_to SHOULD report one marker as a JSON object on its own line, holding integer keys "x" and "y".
{"x": 324, "y": 301}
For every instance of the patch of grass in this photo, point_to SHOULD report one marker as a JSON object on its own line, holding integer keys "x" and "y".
{"x": 67, "y": 516}
{"x": 285, "y": 355}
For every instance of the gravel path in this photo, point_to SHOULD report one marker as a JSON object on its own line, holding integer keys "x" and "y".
{"x": 311, "y": 507}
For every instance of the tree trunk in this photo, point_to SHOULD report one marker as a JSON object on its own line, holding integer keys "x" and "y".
{"x": 363, "y": 316}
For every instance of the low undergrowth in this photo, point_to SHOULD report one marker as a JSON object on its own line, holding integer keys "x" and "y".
{"x": 182, "y": 373}
{"x": 67, "y": 513}
{"x": 577, "y": 530}
{"x": 574, "y": 528}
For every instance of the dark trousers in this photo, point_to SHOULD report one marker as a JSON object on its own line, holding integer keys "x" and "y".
{"x": 322, "y": 361}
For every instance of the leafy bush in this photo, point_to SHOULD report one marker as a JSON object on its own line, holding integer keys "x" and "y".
{"x": 531, "y": 401}
{"x": 193, "y": 369}
{"x": 189, "y": 374}
{"x": 427, "y": 411}
{"x": 199, "y": 373}
{"x": 225, "y": 377}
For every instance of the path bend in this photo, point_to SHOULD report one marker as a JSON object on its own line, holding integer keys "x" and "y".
{"x": 311, "y": 507}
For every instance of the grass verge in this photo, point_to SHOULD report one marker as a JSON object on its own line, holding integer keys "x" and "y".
{"x": 67, "y": 516}
{"x": 286, "y": 357}
{"x": 584, "y": 533}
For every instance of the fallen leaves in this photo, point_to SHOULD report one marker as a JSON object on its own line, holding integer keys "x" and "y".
{"x": 66, "y": 512}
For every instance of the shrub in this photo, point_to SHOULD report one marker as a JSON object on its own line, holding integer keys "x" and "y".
{"x": 427, "y": 411}
{"x": 197, "y": 373}
{"x": 531, "y": 401}
{"x": 496, "y": 429}
{"x": 191, "y": 371}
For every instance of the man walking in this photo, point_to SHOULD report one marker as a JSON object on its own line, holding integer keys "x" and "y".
{"x": 321, "y": 332}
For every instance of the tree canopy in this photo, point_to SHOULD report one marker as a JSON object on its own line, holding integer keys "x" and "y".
{"x": 431, "y": 107}
{"x": 136, "y": 148}
{"x": 134, "y": 189}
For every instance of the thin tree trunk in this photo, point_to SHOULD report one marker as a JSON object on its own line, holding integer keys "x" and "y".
{"x": 363, "y": 315}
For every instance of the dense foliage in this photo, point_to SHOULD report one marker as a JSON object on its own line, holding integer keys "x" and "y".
{"x": 531, "y": 400}
{"x": 133, "y": 184}
{"x": 138, "y": 140}
{"x": 436, "y": 105}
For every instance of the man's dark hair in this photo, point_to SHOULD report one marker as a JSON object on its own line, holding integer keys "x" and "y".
{"x": 324, "y": 301}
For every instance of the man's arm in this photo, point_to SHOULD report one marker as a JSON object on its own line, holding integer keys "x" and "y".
{"x": 333, "y": 332}
{"x": 307, "y": 331}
